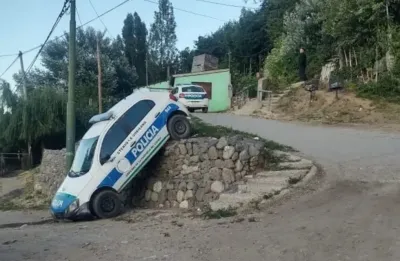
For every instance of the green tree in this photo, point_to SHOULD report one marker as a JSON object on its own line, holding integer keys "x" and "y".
{"x": 162, "y": 40}
{"x": 114, "y": 67}
{"x": 185, "y": 60}
{"x": 134, "y": 33}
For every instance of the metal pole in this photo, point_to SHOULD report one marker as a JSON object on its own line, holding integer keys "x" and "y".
{"x": 229, "y": 59}
{"x": 147, "y": 71}
{"x": 250, "y": 67}
{"x": 25, "y": 93}
{"x": 99, "y": 77}
{"x": 23, "y": 75}
{"x": 71, "y": 89}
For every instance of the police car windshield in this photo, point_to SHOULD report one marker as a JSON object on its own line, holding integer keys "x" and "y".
{"x": 192, "y": 89}
{"x": 83, "y": 157}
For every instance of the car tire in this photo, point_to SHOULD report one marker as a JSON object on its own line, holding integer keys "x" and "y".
{"x": 191, "y": 110}
{"x": 205, "y": 110}
{"x": 179, "y": 127}
{"x": 107, "y": 204}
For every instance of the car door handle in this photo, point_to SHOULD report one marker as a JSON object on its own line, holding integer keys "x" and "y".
{"x": 158, "y": 114}
{"x": 133, "y": 143}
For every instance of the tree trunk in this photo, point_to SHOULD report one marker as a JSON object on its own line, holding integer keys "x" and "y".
{"x": 377, "y": 63}
{"x": 345, "y": 57}
{"x": 340, "y": 58}
{"x": 389, "y": 56}
{"x": 350, "y": 62}
{"x": 355, "y": 56}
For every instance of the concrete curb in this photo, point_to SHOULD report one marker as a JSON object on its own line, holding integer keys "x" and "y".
{"x": 308, "y": 177}
{"x": 285, "y": 191}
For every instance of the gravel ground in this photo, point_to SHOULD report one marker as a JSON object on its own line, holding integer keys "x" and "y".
{"x": 349, "y": 213}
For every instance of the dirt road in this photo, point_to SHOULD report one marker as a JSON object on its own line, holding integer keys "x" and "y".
{"x": 352, "y": 213}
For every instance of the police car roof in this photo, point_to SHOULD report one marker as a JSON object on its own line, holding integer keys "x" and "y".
{"x": 137, "y": 95}
{"x": 122, "y": 106}
{"x": 187, "y": 85}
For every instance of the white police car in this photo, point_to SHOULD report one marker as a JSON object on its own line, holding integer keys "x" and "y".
{"x": 115, "y": 148}
{"x": 194, "y": 97}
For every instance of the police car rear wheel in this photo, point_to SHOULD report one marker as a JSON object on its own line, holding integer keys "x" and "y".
{"x": 179, "y": 127}
{"x": 205, "y": 110}
{"x": 107, "y": 204}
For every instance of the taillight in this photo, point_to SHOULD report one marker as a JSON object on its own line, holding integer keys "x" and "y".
{"x": 181, "y": 95}
{"x": 172, "y": 97}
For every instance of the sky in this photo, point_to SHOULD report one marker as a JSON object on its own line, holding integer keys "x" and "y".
{"x": 26, "y": 23}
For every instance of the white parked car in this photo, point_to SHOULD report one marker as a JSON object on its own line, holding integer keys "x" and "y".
{"x": 194, "y": 97}
{"x": 114, "y": 150}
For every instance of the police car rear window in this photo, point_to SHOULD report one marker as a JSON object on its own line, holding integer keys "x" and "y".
{"x": 192, "y": 89}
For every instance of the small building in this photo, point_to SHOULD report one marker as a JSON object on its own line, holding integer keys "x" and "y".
{"x": 216, "y": 83}
{"x": 204, "y": 62}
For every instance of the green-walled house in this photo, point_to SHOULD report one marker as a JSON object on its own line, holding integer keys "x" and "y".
{"x": 217, "y": 84}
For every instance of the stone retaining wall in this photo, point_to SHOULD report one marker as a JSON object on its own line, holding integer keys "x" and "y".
{"x": 184, "y": 174}
{"x": 194, "y": 172}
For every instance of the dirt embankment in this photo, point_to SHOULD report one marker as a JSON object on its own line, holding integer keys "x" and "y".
{"x": 325, "y": 108}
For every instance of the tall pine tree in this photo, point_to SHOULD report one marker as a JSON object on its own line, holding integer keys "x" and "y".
{"x": 162, "y": 40}
{"x": 134, "y": 34}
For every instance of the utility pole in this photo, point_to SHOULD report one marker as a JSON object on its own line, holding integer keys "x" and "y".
{"x": 25, "y": 93}
{"x": 250, "y": 67}
{"x": 229, "y": 59}
{"x": 71, "y": 88}
{"x": 23, "y": 75}
{"x": 147, "y": 71}
{"x": 99, "y": 76}
{"x": 168, "y": 73}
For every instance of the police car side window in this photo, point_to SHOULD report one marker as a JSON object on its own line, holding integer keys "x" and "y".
{"x": 136, "y": 114}
{"x": 123, "y": 127}
{"x": 114, "y": 137}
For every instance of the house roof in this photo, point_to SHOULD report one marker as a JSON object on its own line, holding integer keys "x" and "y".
{"x": 200, "y": 73}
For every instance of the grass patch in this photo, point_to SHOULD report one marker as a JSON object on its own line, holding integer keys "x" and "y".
{"x": 26, "y": 198}
{"x": 218, "y": 214}
{"x": 202, "y": 129}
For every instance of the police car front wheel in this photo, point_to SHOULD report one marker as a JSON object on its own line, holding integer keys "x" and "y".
{"x": 107, "y": 204}
{"x": 179, "y": 127}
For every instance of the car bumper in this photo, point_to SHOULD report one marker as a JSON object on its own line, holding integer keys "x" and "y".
{"x": 81, "y": 213}
{"x": 193, "y": 105}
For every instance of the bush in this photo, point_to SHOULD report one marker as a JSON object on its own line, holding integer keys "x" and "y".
{"x": 388, "y": 88}
{"x": 240, "y": 82}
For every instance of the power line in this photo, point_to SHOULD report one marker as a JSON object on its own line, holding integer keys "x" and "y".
{"x": 106, "y": 12}
{"x": 82, "y": 25}
{"x": 8, "y": 68}
{"x": 62, "y": 12}
{"x": 79, "y": 17}
{"x": 223, "y": 4}
{"x": 101, "y": 20}
{"x": 190, "y": 12}
{"x": 8, "y": 55}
